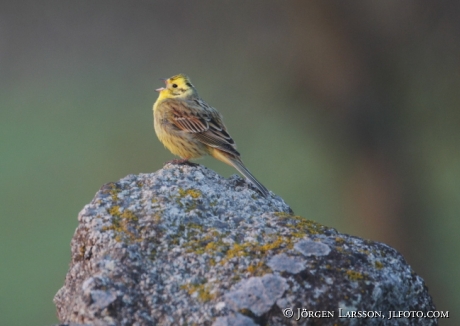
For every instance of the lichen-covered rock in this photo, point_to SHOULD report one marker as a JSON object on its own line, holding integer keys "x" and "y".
{"x": 184, "y": 246}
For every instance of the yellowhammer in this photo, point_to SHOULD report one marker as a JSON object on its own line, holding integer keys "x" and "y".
{"x": 190, "y": 128}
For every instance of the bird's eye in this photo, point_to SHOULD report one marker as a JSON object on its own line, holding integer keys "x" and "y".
{"x": 174, "y": 85}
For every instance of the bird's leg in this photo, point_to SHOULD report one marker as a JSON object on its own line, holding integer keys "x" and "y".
{"x": 184, "y": 161}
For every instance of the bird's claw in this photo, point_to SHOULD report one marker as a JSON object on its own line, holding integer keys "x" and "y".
{"x": 182, "y": 162}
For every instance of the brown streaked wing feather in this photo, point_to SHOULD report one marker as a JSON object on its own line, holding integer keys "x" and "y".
{"x": 211, "y": 140}
{"x": 190, "y": 124}
{"x": 204, "y": 122}
{"x": 223, "y": 134}
{"x": 217, "y": 126}
{"x": 216, "y": 136}
{"x": 188, "y": 120}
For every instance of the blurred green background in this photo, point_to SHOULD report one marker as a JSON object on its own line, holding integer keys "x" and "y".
{"x": 349, "y": 110}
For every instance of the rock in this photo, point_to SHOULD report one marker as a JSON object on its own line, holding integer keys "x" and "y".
{"x": 184, "y": 246}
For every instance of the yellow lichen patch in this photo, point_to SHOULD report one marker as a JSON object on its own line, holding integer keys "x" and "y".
{"x": 246, "y": 312}
{"x": 199, "y": 244}
{"x": 300, "y": 225}
{"x": 366, "y": 252}
{"x": 299, "y": 235}
{"x": 308, "y": 226}
{"x": 195, "y": 226}
{"x": 280, "y": 241}
{"x": 236, "y": 277}
{"x": 156, "y": 218}
{"x": 252, "y": 269}
{"x": 237, "y": 251}
{"x": 113, "y": 189}
{"x": 194, "y": 246}
{"x": 202, "y": 290}
{"x": 378, "y": 265}
{"x": 211, "y": 246}
{"x": 255, "y": 249}
{"x": 258, "y": 269}
{"x": 120, "y": 222}
{"x": 114, "y": 210}
{"x": 355, "y": 276}
{"x": 283, "y": 214}
{"x": 114, "y": 192}
{"x": 127, "y": 214}
{"x": 204, "y": 294}
{"x": 212, "y": 234}
{"x": 121, "y": 231}
{"x": 82, "y": 250}
{"x": 194, "y": 193}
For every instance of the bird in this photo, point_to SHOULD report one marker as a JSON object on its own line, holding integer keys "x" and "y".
{"x": 190, "y": 128}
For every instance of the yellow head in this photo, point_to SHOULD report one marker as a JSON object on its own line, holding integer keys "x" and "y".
{"x": 178, "y": 86}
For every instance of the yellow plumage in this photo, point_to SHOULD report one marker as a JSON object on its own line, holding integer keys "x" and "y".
{"x": 190, "y": 128}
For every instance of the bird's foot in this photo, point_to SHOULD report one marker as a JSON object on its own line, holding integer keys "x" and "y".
{"x": 181, "y": 162}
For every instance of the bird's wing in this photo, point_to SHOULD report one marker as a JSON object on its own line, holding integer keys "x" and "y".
{"x": 187, "y": 118}
{"x": 195, "y": 116}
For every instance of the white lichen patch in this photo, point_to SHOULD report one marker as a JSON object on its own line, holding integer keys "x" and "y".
{"x": 312, "y": 248}
{"x": 257, "y": 294}
{"x": 283, "y": 262}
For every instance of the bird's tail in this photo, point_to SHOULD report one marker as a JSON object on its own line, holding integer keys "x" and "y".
{"x": 238, "y": 164}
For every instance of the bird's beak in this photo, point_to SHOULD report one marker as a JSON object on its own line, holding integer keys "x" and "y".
{"x": 162, "y": 88}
